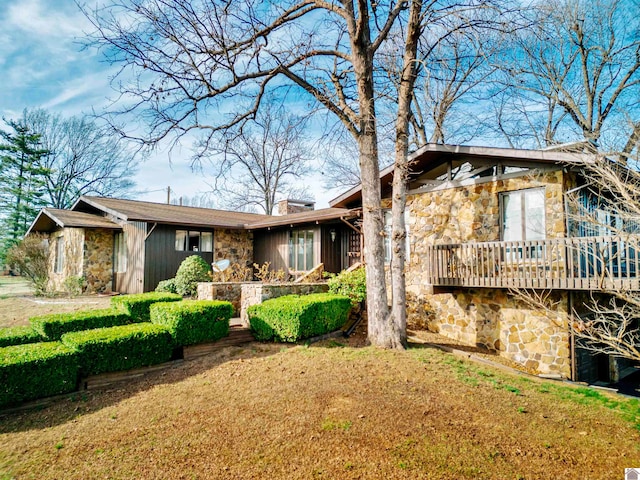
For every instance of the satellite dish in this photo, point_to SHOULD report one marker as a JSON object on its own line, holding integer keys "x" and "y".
{"x": 220, "y": 265}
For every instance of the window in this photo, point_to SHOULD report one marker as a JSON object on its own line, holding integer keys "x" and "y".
{"x": 193, "y": 241}
{"x": 59, "y": 262}
{"x": 523, "y": 216}
{"x": 120, "y": 253}
{"x": 387, "y": 237}
{"x": 301, "y": 254}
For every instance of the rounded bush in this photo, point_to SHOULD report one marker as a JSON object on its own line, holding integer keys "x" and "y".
{"x": 192, "y": 270}
{"x": 167, "y": 286}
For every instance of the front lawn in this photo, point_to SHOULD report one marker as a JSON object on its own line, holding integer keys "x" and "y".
{"x": 16, "y": 310}
{"x": 267, "y": 411}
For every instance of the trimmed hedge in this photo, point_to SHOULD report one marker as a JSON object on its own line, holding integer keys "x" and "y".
{"x": 292, "y": 317}
{"x": 120, "y": 348}
{"x": 19, "y": 336}
{"x": 53, "y": 326}
{"x": 193, "y": 321}
{"x": 36, "y": 370}
{"x": 137, "y": 306}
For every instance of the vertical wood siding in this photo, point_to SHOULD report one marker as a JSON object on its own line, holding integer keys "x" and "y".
{"x": 272, "y": 246}
{"x": 161, "y": 259}
{"x": 132, "y": 281}
{"x": 333, "y": 253}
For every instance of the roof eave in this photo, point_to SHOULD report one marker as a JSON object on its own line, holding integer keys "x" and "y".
{"x": 40, "y": 214}
{"x": 571, "y": 158}
{"x": 102, "y": 208}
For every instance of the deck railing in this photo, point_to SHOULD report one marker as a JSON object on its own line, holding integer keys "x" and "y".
{"x": 576, "y": 263}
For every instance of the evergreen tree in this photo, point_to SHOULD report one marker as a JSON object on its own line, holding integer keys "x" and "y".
{"x": 22, "y": 182}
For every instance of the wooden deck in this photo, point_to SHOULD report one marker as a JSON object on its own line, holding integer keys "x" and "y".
{"x": 577, "y": 263}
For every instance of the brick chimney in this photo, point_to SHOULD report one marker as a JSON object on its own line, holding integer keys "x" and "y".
{"x": 285, "y": 207}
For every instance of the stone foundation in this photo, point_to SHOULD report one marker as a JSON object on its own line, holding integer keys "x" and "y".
{"x": 225, "y": 291}
{"x": 255, "y": 293}
{"x": 496, "y": 320}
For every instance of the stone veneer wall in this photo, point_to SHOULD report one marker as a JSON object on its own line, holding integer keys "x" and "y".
{"x": 494, "y": 319}
{"x": 256, "y": 292}
{"x": 73, "y": 258}
{"x": 233, "y": 245}
{"x": 225, "y": 291}
{"x": 488, "y": 317}
{"x": 98, "y": 260}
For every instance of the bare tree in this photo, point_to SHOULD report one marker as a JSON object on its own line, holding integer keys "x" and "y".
{"x": 255, "y": 164}
{"x": 82, "y": 158}
{"x": 189, "y": 58}
{"x": 575, "y": 74}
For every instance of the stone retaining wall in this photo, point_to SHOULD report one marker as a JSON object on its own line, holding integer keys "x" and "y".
{"x": 226, "y": 291}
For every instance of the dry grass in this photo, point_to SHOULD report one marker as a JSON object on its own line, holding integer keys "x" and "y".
{"x": 17, "y": 306}
{"x": 268, "y": 411}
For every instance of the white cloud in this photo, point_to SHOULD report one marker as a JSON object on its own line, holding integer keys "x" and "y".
{"x": 55, "y": 19}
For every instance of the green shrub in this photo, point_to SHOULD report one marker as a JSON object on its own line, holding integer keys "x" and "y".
{"x": 194, "y": 321}
{"x": 167, "y": 286}
{"x": 293, "y": 318}
{"x": 36, "y": 370}
{"x": 192, "y": 270}
{"x": 18, "y": 336}
{"x": 137, "y": 306}
{"x": 53, "y": 326}
{"x": 73, "y": 286}
{"x": 120, "y": 348}
{"x": 351, "y": 284}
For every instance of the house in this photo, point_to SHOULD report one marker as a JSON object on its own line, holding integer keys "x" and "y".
{"x": 129, "y": 246}
{"x": 482, "y": 221}
{"x": 485, "y": 221}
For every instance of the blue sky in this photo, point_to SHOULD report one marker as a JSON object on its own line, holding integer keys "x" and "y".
{"x": 43, "y": 64}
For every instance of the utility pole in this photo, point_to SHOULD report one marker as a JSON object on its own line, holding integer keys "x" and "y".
{"x": 168, "y": 195}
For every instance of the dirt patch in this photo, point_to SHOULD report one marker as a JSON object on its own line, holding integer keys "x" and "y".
{"x": 325, "y": 411}
{"x": 16, "y": 310}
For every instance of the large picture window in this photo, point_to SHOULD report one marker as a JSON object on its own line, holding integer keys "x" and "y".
{"x": 523, "y": 216}
{"x": 192, "y": 241}
{"x": 301, "y": 251}
{"x": 120, "y": 253}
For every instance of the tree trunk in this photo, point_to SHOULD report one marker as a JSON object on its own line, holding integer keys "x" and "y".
{"x": 398, "y": 319}
{"x": 373, "y": 226}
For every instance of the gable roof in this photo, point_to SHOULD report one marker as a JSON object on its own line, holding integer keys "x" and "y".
{"x": 50, "y": 218}
{"x": 431, "y": 154}
{"x": 134, "y": 210}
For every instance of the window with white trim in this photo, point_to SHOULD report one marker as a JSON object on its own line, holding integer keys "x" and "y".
{"x": 301, "y": 251}
{"x": 59, "y": 260}
{"x": 120, "y": 252}
{"x": 523, "y": 215}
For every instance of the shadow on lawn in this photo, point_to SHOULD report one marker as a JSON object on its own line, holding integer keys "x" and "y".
{"x": 64, "y": 408}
